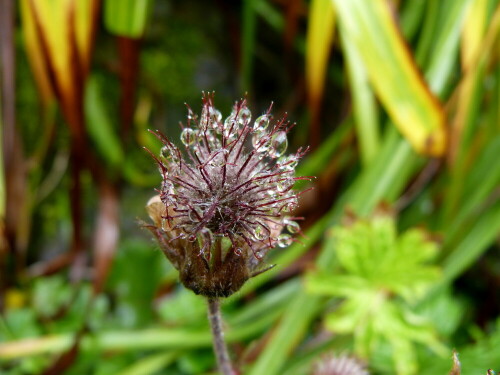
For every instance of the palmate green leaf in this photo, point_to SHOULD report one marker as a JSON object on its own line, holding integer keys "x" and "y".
{"x": 381, "y": 273}
{"x": 372, "y": 251}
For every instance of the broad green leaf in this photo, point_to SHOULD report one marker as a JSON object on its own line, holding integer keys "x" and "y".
{"x": 127, "y": 17}
{"x": 393, "y": 74}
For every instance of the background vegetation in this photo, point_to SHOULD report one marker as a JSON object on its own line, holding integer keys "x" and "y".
{"x": 399, "y": 261}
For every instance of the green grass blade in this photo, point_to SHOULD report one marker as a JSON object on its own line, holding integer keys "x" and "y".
{"x": 364, "y": 103}
{"x": 318, "y": 43}
{"x": 393, "y": 73}
{"x": 150, "y": 364}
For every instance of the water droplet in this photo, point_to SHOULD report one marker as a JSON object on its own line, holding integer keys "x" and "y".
{"x": 284, "y": 240}
{"x": 261, "y": 123}
{"x": 238, "y": 251}
{"x": 229, "y": 125}
{"x": 288, "y": 162}
{"x": 188, "y": 136}
{"x": 211, "y": 138}
{"x": 260, "y": 233}
{"x": 278, "y": 144}
{"x": 191, "y": 238}
{"x": 195, "y": 215}
{"x": 215, "y": 114}
{"x": 290, "y": 205}
{"x": 292, "y": 226}
{"x": 261, "y": 142}
{"x": 244, "y": 116}
{"x": 260, "y": 178}
{"x": 207, "y": 234}
{"x": 210, "y": 117}
{"x": 169, "y": 154}
{"x": 271, "y": 193}
{"x": 284, "y": 184}
{"x": 191, "y": 115}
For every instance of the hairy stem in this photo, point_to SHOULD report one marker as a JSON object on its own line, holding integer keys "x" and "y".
{"x": 220, "y": 348}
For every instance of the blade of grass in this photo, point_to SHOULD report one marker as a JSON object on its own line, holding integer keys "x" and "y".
{"x": 364, "y": 103}
{"x": 285, "y": 258}
{"x": 477, "y": 240}
{"x": 316, "y": 162}
{"x": 413, "y": 14}
{"x": 151, "y": 364}
{"x": 428, "y": 32}
{"x": 486, "y": 170}
{"x": 100, "y": 127}
{"x": 152, "y": 338}
{"x": 286, "y": 335}
{"x": 319, "y": 38}
{"x": 445, "y": 40}
{"x": 246, "y": 323}
{"x": 476, "y": 21}
{"x": 469, "y": 95}
{"x": 393, "y": 74}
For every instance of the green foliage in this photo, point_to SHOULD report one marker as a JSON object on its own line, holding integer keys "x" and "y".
{"x": 127, "y": 18}
{"x": 382, "y": 78}
{"x": 101, "y": 129}
{"x": 381, "y": 277}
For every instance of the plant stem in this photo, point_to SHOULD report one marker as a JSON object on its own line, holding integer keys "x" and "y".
{"x": 220, "y": 348}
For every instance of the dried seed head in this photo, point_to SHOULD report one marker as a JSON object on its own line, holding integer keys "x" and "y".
{"x": 226, "y": 196}
{"x": 339, "y": 365}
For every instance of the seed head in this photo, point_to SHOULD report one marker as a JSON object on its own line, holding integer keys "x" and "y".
{"x": 226, "y": 197}
{"x": 339, "y": 365}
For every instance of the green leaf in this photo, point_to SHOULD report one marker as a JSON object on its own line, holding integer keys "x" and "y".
{"x": 127, "y": 17}
{"x": 364, "y": 102}
{"x": 381, "y": 273}
{"x": 319, "y": 39}
{"x": 100, "y": 126}
{"x": 393, "y": 73}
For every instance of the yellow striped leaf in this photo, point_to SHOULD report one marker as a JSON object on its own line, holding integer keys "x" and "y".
{"x": 58, "y": 37}
{"x": 393, "y": 73}
{"x": 319, "y": 40}
{"x": 476, "y": 21}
